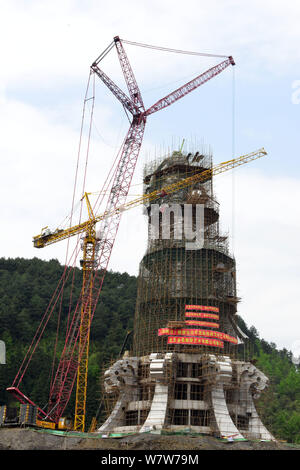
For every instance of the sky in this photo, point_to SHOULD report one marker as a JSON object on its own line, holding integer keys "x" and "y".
{"x": 47, "y": 49}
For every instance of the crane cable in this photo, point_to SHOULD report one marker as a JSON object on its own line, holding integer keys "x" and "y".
{"x": 76, "y": 315}
{"x": 233, "y": 153}
{"x": 167, "y": 49}
{"x": 70, "y": 323}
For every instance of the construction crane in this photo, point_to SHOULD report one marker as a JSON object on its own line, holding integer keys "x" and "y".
{"x": 96, "y": 252}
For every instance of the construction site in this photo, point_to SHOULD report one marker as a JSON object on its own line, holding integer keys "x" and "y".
{"x": 188, "y": 371}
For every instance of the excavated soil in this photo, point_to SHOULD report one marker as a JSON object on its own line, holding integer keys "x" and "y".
{"x": 30, "y": 439}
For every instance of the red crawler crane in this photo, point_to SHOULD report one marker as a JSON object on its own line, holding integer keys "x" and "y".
{"x": 73, "y": 361}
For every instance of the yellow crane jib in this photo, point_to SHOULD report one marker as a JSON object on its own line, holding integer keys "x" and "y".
{"x": 46, "y": 237}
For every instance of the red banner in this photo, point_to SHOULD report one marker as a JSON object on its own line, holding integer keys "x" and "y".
{"x": 202, "y": 315}
{"x": 203, "y": 341}
{"x": 206, "y": 308}
{"x": 202, "y": 323}
{"x": 196, "y": 332}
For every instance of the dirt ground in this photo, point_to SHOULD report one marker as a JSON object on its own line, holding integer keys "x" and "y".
{"x": 30, "y": 439}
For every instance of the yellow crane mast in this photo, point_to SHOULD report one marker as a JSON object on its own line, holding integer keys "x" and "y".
{"x": 89, "y": 248}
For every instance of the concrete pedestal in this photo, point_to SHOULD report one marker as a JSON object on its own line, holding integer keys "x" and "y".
{"x": 205, "y": 393}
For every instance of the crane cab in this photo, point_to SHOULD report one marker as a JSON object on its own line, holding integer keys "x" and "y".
{"x": 65, "y": 424}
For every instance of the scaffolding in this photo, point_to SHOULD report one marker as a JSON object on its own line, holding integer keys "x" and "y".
{"x": 171, "y": 276}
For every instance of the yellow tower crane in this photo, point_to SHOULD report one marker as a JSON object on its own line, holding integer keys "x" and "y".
{"x": 90, "y": 254}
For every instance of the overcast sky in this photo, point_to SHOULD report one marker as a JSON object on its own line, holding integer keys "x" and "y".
{"x": 47, "y": 47}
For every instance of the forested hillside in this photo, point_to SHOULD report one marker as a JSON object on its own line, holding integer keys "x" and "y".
{"x": 26, "y": 287}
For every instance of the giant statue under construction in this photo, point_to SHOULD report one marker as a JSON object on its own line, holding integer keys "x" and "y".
{"x": 185, "y": 369}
